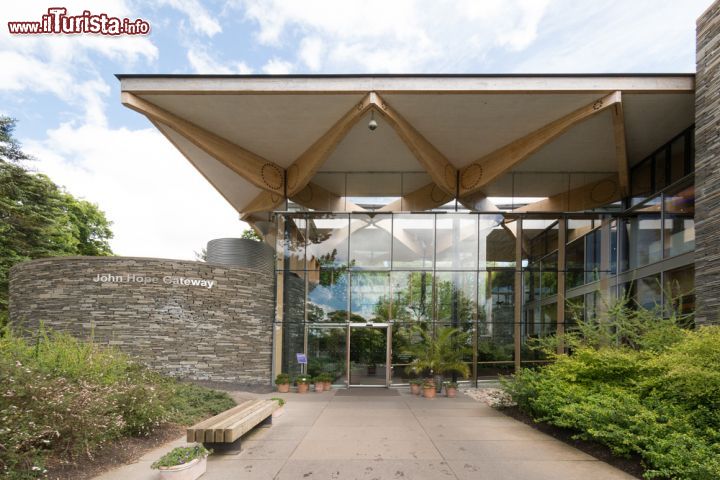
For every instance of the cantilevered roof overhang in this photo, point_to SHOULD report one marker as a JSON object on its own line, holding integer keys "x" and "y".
{"x": 261, "y": 139}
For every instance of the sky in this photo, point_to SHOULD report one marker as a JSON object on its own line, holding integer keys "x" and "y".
{"x": 63, "y": 92}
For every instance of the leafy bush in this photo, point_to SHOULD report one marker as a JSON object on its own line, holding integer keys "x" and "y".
{"x": 63, "y": 398}
{"x": 640, "y": 385}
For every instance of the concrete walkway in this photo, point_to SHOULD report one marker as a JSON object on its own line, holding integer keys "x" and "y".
{"x": 328, "y": 436}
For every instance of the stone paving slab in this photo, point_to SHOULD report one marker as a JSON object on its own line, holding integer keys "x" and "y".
{"x": 324, "y": 436}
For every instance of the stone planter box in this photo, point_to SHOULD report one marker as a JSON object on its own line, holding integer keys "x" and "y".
{"x": 189, "y": 471}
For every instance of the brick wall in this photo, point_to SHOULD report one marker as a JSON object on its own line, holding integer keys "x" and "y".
{"x": 221, "y": 334}
{"x": 707, "y": 167}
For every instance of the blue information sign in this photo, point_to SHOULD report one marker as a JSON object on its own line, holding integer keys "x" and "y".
{"x": 301, "y": 358}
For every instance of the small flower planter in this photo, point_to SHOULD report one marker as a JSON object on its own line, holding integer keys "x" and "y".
{"x": 302, "y": 387}
{"x": 303, "y": 383}
{"x": 182, "y": 463}
{"x": 319, "y": 387}
{"x": 283, "y": 382}
{"x": 415, "y": 387}
{"x": 429, "y": 390}
{"x": 189, "y": 471}
{"x": 328, "y": 386}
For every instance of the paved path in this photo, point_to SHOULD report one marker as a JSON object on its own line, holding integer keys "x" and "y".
{"x": 327, "y": 436}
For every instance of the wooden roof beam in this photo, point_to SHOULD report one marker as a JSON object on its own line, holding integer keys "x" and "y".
{"x": 621, "y": 148}
{"x": 442, "y": 172}
{"x": 480, "y": 173}
{"x": 586, "y": 197}
{"x": 255, "y": 169}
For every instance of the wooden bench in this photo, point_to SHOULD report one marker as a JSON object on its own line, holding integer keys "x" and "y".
{"x": 223, "y": 431}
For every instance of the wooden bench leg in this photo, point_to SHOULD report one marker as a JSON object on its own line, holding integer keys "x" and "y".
{"x": 221, "y": 448}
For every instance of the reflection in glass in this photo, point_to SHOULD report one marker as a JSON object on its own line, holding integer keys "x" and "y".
{"x": 412, "y": 294}
{"x": 457, "y": 242}
{"x": 326, "y": 352}
{"x": 647, "y": 292}
{"x": 370, "y": 297}
{"x": 642, "y": 235}
{"x": 679, "y": 228}
{"x": 327, "y": 244}
{"x": 680, "y": 290}
{"x": 368, "y": 355}
{"x": 370, "y": 241}
{"x": 328, "y": 295}
{"x": 497, "y": 242}
{"x": 413, "y": 241}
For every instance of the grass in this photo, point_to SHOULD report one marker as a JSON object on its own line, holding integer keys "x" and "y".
{"x": 62, "y": 399}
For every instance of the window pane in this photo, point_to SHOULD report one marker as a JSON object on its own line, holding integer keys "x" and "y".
{"x": 648, "y": 291}
{"x": 642, "y": 235}
{"x": 370, "y": 241}
{"x": 327, "y": 295}
{"x": 677, "y": 159}
{"x": 412, "y": 294}
{"x": 680, "y": 290}
{"x": 680, "y": 222}
{"x": 455, "y": 297}
{"x": 369, "y": 296}
{"x": 413, "y": 241}
{"x": 457, "y": 242}
{"x": 497, "y": 242}
{"x": 327, "y": 245}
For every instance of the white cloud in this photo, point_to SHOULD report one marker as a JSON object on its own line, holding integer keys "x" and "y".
{"x": 202, "y": 62}
{"x": 276, "y": 66}
{"x": 199, "y": 17}
{"x": 399, "y": 36}
{"x": 311, "y": 52}
{"x": 617, "y": 36}
{"x": 155, "y": 213}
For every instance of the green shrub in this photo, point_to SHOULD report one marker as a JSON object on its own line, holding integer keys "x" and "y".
{"x": 64, "y": 398}
{"x": 641, "y": 388}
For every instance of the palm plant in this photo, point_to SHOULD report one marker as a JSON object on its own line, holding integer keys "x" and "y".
{"x": 439, "y": 354}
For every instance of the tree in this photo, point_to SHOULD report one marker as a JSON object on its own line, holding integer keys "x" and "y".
{"x": 38, "y": 218}
{"x": 251, "y": 234}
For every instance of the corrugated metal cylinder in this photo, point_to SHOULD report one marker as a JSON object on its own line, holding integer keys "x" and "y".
{"x": 241, "y": 252}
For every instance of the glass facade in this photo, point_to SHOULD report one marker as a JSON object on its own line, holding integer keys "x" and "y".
{"x": 374, "y": 278}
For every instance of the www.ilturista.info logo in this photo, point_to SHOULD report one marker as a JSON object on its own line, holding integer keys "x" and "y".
{"x": 58, "y": 21}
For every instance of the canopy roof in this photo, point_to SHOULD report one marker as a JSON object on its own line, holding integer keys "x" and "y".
{"x": 568, "y": 138}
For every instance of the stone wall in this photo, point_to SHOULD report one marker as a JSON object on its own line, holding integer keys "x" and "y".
{"x": 707, "y": 167}
{"x": 187, "y": 319}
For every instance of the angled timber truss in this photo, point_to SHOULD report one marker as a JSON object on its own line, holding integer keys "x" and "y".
{"x": 466, "y": 184}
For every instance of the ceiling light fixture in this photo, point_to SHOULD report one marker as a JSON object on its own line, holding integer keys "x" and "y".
{"x": 372, "y": 124}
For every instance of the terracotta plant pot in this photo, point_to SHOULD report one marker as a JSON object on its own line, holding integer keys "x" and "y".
{"x": 319, "y": 387}
{"x": 188, "y": 471}
{"x": 328, "y": 386}
{"x": 283, "y": 387}
{"x": 451, "y": 392}
{"x": 303, "y": 387}
{"x": 415, "y": 389}
{"x": 429, "y": 392}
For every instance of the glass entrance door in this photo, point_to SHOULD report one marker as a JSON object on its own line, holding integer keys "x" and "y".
{"x": 368, "y": 355}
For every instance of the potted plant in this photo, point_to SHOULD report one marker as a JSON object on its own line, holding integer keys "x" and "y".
{"x": 440, "y": 354}
{"x": 183, "y": 463}
{"x": 429, "y": 389}
{"x": 415, "y": 385}
{"x": 327, "y": 379}
{"x": 319, "y": 383}
{"x": 303, "y": 383}
{"x": 280, "y": 410}
{"x": 283, "y": 382}
{"x": 451, "y": 389}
